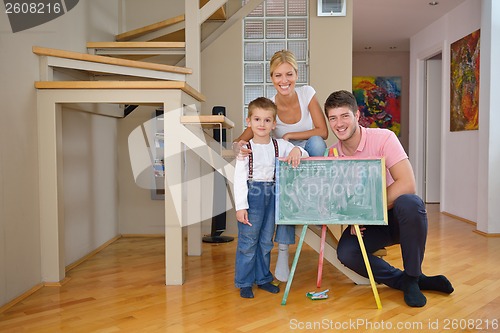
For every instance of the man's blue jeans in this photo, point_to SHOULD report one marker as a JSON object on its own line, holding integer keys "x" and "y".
{"x": 315, "y": 146}
{"x": 407, "y": 227}
{"x": 253, "y": 254}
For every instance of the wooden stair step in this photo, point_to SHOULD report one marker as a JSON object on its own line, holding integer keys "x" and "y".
{"x": 136, "y": 33}
{"x": 42, "y": 51}
{"x": 219, "y": 15}
{"x": 208, "y": 121}
{"x": 176, "y": 35}
{"x": 136, "y": 45}
{"x": 121, "y": 85}
{"x": 135, "y": 50}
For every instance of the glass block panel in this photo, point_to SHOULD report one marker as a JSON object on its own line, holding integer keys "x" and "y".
{"x": 275, "y": 29}
{"x": 254, "y": 73}
{"x": 299, "y": 48}
{"x": 254, "y": 51}
{"x": 275, "y": 7}
{"x": 303, "y": 73}
{"x": 252, "y": 92}
{"x": 273, "y": 47}
{"x": 270, "y": 91}
{"x": 297, "y": 28}
{"x": 273, "y": 26}
{"x": 254, "y": 29}
{"x": 245, "y": 116}
{"x": 297, "y": 8}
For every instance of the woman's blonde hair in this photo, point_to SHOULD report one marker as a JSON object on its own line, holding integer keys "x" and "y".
{"x": 281, "y": 57}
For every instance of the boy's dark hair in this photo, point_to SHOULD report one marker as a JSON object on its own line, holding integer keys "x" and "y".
{"x": 341, "y": 98}
{"x": 262, "y": 103}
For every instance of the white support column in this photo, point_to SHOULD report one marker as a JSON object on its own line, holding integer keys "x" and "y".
{"x": 50, "y": 188}
{"x": 489, "y": 150}
{"x": 193, "y": 192}
{"x": 175, "y": 214}
{"x": 193, "y": 43}
{"x": 46, "y": 71}
{"x": 193, "y": 61}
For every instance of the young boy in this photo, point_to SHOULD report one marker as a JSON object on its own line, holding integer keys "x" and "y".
{"x": 254, "y": 198}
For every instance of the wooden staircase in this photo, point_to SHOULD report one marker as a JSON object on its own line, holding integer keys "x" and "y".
{"x": 131, "y": 61}
{"x": 164, "y": 38}
{"x": 154, "y": 52}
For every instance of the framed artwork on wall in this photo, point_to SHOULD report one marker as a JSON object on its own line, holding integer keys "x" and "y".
{"x": 379, "y": 101}
{"x": 464, "y": 83}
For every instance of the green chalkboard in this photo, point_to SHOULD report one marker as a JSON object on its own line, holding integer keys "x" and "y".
{"x": 331, "y": 190}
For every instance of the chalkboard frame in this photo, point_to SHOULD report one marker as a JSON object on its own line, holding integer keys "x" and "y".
{"x": 327, "y": 171}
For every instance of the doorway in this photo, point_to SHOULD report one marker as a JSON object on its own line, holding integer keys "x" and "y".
{"x": 432, "y": 129}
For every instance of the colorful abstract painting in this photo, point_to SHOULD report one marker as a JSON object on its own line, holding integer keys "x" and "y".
{"x": 379, "y": 101}
{"x": 464, "y": 83}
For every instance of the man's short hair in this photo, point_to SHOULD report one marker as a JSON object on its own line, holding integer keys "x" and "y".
{"x": 341, "y": 98}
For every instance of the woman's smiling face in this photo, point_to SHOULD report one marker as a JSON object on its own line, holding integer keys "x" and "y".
{"x": 284, "y": 77}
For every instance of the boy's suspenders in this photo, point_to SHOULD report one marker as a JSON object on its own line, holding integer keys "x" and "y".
{"x": 250, "y": 159}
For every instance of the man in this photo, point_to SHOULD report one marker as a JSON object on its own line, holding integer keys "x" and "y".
{"x": 406, "y": 211}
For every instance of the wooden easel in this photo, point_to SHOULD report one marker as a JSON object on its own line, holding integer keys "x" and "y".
{"x": 363, "y": 251}
{"x": 334, "y": 152}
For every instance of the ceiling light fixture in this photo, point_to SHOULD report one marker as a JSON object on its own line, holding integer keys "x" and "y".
{"x": 393, "y": 47}
{"x": 433, "y": 3}
{"x": 368, "y": 47}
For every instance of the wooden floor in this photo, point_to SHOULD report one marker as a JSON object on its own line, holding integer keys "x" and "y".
{"x": 121, "y": 289}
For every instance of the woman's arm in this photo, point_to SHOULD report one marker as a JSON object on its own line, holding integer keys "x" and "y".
{"x": 245, "y": 136}
{"x": 319, "y": 122}
{"x": 240, "y": 142}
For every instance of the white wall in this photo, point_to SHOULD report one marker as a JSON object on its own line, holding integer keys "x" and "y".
{"x": 90, "y": 182}
{"x": 459, "y": 149}
{"x": 19, "y": 212}
{"x": 139, "y": 214}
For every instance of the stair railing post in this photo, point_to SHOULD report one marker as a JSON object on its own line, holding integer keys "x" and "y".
{"x": 193, "y": 41}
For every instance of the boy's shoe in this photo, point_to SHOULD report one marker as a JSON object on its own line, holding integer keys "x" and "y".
{"x": 246, "y": 292}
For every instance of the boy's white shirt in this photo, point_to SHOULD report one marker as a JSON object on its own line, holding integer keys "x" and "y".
{"x": 263, "y": 168}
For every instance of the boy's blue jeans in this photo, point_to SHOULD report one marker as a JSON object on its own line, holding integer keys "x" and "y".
{"x": 253, "y": 254}
{"x": 315, "y": 146}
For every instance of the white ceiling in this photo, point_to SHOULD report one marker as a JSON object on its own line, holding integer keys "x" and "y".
{"x": 382, "y": 24}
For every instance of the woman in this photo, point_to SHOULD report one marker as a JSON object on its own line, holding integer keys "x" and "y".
{"x": 301, "y": 121}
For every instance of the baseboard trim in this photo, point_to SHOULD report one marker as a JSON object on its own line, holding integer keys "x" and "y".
{"x": 91, "y": 254}
{"x": 21, "y": 297}
{"x": 60, "y": 283}
{"x": 57, "y": 284}
{"x": 482, "y": 233}
{"x": 485, "y": 234}
{"x": 143, "y": 235}
{"x": 459, "y": 218}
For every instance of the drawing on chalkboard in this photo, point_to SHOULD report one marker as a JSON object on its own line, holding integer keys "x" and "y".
{"x": 330, "y": 190}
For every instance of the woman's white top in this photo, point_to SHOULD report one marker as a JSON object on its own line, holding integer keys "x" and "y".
{"x": 264, "y": 161}
{"x": 305, "y": 94}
